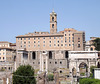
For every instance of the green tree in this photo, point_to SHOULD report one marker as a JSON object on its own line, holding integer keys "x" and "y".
{"x": 92, "y": 71}
{"x": 96, "y": 43}
{"x": 24, "y": 75}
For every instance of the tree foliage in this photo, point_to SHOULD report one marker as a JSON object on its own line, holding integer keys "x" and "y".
{"x": 92, "y": 71}
{"x": 24, "y": 75}
{"x": 96, "y": 43}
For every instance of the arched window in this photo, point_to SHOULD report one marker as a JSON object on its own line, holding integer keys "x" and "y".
{"x": 33, "y": 55}
{"x": 52, "y": 25}
{"x": 91, "y": 49}
{"x": 66, "y": 54}
{"x": 50, "y": 55}
{"x": 52, "y": 18}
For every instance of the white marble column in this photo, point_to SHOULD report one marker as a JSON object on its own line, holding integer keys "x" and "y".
{"x": 46, "y": 63}
{"x": 40, "y": 62}
{"x": 89, "y": 67}
{"x": 21, "y": 58}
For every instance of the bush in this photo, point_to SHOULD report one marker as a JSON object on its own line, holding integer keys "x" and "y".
{"x": 89, "y": 81}
{"x": 82, "y": 74}
{"x": 50, "y": 77}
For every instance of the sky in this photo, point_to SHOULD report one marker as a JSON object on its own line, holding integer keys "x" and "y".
{"x": 19, "y": 17}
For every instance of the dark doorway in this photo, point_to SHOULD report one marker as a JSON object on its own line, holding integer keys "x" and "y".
{"x": 66, "y": 54}
{"x": 33, "y": 55}
{"x": 98, "y": 65}
{"x": 50, "y": 55}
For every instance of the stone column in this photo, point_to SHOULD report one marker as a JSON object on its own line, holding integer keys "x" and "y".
{"x": 46, "y": 63}
{"x": 21, "y": 58}
{"x": 40, "y": 62}
{"x": 88, "y": 67}
{"x": 78, "y": 71}
{"x": 31, "y": 56}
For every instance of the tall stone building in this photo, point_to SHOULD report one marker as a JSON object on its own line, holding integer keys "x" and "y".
{"x": 7, "y": 59}
{"x": 46, "y": 51}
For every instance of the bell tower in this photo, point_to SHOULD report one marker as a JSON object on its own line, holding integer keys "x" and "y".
{"x": 53, "y": 22}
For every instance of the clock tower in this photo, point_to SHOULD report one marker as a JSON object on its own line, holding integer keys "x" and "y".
{"x": 53, "y": 22}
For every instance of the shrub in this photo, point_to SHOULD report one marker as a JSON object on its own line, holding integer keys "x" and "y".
{"x": 50, "y": 77}
{"x": 89, "y": 81}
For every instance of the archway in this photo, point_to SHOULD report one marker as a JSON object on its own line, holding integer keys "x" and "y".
{"x": 83, "y": 69}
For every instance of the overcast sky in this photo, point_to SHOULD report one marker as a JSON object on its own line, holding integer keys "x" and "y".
{"x": 18, "y": 17}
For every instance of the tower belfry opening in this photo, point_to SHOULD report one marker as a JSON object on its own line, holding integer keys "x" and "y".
{"x": 53, "y": 22}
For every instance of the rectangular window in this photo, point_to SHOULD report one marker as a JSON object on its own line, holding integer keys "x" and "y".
{"x": 24, "y": 38}
{"x": 65, "y": 44}
{"x": 65, "y": 38}
{"x": 49, "y": 41}
{"x": 78, "y": 45}
{"x": 24, "y": 42}
{"x": 54, "y": 37}
{"x": 43, "y": 45}
{"x": 28, "y": 38}
{"x": 21, "y": 38}
{"x": 24, "y": 46}
{"x": 78, "y": 39}
{"x": 43, "y": 41}
{"x": 49, "y": 37}
{"x": 50, "y": 45}
{"x": 69, "y": 44}
{"x": 61, "y": 44}
{"x": 43, "y": 37}
{"x": 61, "y": 41}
